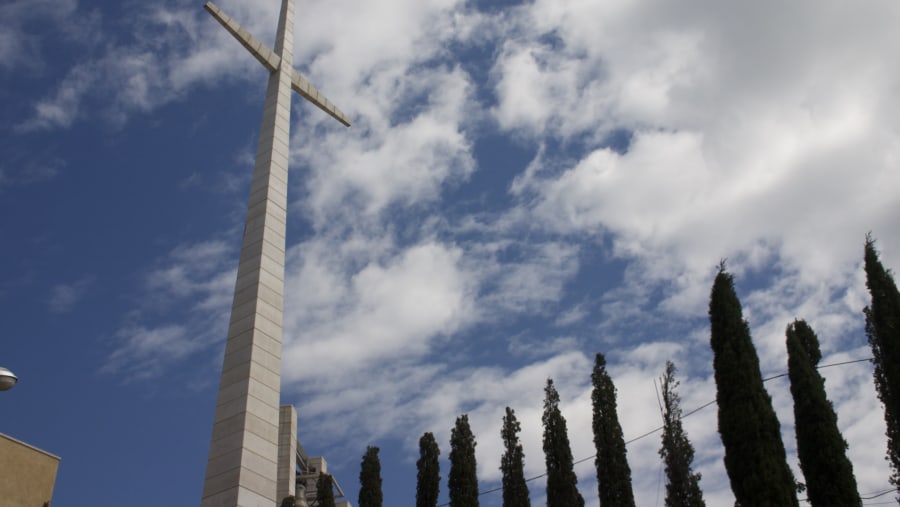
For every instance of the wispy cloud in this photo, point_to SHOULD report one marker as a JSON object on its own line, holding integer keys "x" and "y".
{"x": 170, "y": 49}
{"x": 20, "y": 169}
{"x": 20, "y": 46}
{"x": 393, "y": 309}
{"x": 777, "y": 153}
{"x": 64, "y": 296}
{"x": 183, "y": 310}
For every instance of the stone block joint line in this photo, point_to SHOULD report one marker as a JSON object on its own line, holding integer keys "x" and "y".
{"x": 242, "y": 467}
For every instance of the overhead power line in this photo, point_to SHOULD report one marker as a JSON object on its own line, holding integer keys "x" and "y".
{"x": 687, "y": 414}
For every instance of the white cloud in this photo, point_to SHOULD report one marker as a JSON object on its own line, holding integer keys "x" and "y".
{"x": 145, "y": 353}
{"x": 777, "y": 152}
{"x": 188, "y": 267}
{"x": 64, "y": 296}
{"x": 25, "y": 168}
{"x": 401, "y": 151}
{"x": 522, "y": 277}
{"x": 175, "y": 47}
{"x": 364, "y": 52}
{"x": 11, "y": 47}
{"x": 383, "y": 399}
{"x": 770, "y": 152}
{"x": 19, "y": 45}
{"x": 542, "y": 346}
{"x": 63, "y": 108}
{"x": 572, "y": 316}
{"x": 171, "y": 49}
{"x": 183, "y": 310}
{"x": 378, "y": 312}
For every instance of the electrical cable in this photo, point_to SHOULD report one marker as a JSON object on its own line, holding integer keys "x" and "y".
{"x": 686, "y": 414}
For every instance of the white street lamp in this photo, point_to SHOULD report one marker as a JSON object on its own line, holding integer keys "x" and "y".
{"x": 7, "y": 379}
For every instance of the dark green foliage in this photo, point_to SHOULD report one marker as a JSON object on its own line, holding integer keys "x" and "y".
{"x": 820, "y": 446}
{"x": 883, "y": 332}
{"x": 562, "y": 484}
{"x": 462, "y": 481}
{"x": 429, "y": 477}
{"x": 324, "y": 491}
{"x": 289, "y": 501}
{"x": 682, "y": 484}
{"x": 613, "y": 472}
{"x": 370, "y": 479}
{"x": 754, "y": 453}
{"x": 512, "y": 463}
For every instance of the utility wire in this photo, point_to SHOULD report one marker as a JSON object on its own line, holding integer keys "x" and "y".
{"x": 820, "y": 367}
{"x": 876, "y": 495}
{"x": 691, "y": 412}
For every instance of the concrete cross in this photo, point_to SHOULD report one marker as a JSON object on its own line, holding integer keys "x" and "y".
{"x": 243, "y": 468}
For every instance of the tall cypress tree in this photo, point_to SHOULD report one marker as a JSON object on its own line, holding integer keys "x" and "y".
{"x": 429, "y": 476}
{"x": 820, "y": 446}
{"x": 324, "y": 491}
{"x": 754, "y": 453}
{"x": 562, "y": 483}
{"x": 462, "y": 480}
{"x": 613, "y": 472}
{"x": 370, "y": 479}
{"x": 883, "y": 332}
{"x": 512, "y": 463}
{"x": 682, "y": 484}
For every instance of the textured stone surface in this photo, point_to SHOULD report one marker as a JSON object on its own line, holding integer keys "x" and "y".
{"x": 287, "y": 452}
{"x": 243, "y": 456}
{"x": 248, "y": 463}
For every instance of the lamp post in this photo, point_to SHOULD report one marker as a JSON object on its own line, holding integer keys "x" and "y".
{"x": 7, "y": 379}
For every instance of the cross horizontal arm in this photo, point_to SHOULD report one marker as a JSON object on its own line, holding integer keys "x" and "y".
{"x": 266, "y": 56}
{"x": 271, "y": 61}
{"x": 309, "y": 92}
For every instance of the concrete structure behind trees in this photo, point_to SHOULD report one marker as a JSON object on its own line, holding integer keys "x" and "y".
{"x": 298, "y": 477}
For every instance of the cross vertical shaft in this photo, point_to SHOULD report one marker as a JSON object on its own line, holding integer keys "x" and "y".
{"x": 243, "y": 455}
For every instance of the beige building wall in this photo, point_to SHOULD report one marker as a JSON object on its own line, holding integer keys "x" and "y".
{"x": 27, "y": 474}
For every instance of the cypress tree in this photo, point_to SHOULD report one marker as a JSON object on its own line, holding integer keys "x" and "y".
{"x": 820, "y": 446}
{"x": 682, "y": 484}
{"x": 370, "y": 479}
{"x": 562, "y": 483}
{"x": 883, "y": 333}
{"x": 613, "y": 472}
{"x": 429, "y": 476}
{"x": 754, "y": 453}
{"x": 512, "y": 463}
{"x": 462, "y": 480}
{"x": 324, "y": 491}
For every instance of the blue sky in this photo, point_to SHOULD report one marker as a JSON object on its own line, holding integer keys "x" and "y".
{"x": 524, "y": 185}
